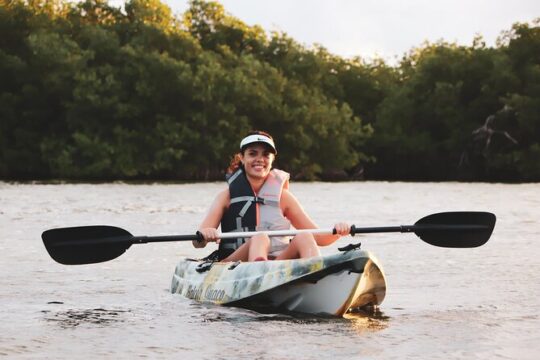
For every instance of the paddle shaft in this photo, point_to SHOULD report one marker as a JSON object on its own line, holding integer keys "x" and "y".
{"x": 292, "y": 232}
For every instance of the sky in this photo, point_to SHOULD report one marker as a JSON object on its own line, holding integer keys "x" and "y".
{"x": 380, "y": 28}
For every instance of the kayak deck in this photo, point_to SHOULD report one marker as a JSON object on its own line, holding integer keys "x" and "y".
{"x": 323, "y": 285}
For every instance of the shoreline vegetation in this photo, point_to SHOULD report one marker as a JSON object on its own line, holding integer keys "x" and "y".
{"x": 91, "y": 92}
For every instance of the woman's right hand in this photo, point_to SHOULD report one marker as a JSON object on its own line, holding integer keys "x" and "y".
{"x": 208, "y": 234}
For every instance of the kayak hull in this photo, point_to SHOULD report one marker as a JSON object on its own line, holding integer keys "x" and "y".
{"x": 325, "y": 285}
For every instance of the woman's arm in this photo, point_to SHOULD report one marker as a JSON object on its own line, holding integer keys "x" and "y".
{"x": 209, "y": 225}
{"x": 293, "y": 211}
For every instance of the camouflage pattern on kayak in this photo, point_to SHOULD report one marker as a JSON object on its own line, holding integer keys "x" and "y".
{"x": 324, "y": 285}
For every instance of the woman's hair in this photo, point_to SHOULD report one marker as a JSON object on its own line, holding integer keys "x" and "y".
{"x": 236, "y": 159}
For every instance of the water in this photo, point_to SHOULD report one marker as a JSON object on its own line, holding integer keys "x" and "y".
{"x": 479, "y": 303}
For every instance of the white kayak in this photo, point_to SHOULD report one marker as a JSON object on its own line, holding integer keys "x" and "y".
{"x": 324, "y": 285}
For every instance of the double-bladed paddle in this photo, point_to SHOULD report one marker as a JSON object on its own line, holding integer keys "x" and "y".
{"x": 98, "y": 243}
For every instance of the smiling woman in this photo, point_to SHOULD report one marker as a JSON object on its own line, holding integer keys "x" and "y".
{"x": 258, "y": 198}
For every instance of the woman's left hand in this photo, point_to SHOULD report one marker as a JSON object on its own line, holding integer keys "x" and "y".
{"x": 342, "y": 229}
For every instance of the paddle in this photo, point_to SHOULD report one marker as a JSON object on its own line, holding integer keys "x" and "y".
{"x": 93, "y": 244}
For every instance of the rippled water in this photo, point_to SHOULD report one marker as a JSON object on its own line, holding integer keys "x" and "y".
{"x": 441, "y": 303}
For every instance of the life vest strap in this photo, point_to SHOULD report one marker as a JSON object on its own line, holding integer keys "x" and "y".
{"x": 242, "y": 198}
{"x": 249, "y": 201}
{"x": 234, "y": 176}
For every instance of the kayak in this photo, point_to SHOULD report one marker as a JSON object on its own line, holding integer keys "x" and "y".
{"x": 330, "y": 285}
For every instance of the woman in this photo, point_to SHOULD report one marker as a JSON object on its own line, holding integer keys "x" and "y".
{"x": 258, "y": 198}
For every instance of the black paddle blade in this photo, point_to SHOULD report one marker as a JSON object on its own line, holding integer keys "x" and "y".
{"x": 86, "y": 244}
{"x": 463, "y": 229}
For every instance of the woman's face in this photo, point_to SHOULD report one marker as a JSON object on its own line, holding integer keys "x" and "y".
{"x": 257, "y": 160}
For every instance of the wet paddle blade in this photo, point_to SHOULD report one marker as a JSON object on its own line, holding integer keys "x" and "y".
{"x": 463, "y": 229}
{"x": 86, "y": 244}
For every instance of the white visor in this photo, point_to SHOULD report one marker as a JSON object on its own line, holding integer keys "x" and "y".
{"x": 258, "y": 139}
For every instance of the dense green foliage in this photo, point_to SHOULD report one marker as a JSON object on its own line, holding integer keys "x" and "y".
{"x": 90, "y": 91}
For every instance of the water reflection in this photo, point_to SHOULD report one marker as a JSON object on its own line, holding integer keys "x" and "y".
{"x": 367, "y": 320}
{"x": 72, "y": 318}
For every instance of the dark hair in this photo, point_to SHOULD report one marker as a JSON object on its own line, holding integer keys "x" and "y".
{"x": 235, "y": 161}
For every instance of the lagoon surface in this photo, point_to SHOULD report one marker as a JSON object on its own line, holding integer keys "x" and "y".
{"x": 481, "y": 303}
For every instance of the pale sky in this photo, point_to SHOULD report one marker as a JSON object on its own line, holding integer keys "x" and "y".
{"x": 380, "y": 28}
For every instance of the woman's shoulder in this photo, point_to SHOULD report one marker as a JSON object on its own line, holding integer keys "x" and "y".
{"x": 222, "y": 199}
{"x": 224, "y": 194}
{"x": 287, "y": 198}
{"x": 286, "y": 193}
